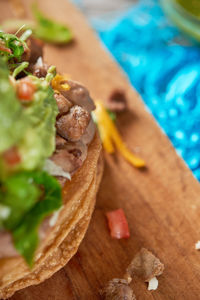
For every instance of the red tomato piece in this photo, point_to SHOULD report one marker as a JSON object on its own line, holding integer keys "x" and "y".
{"x": 4, "y": 49}
{"x": 11, "y": 156}
{"x": 117, "y": 224}
{"x": 25, "y": 89}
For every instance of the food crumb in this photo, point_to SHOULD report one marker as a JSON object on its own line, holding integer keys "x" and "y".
{"x": 117, "y": 101}
{"x": 197, "y": 245}
{"x": 145, "y": 265}
{"x": 153, "y": 284}
{"x": 117, "y": 289}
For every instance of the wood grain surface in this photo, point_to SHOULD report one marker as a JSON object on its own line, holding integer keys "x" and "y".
{"x": 162, "y": 203}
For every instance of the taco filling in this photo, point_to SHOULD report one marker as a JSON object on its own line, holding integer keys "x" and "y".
{"x": 45, "y": 130}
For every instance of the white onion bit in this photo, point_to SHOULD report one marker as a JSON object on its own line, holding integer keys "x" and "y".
{"x": 153, "y": 284}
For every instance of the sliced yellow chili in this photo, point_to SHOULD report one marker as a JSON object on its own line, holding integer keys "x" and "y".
{"x": 58, "y": 83}
{"x": 109, "y": 135}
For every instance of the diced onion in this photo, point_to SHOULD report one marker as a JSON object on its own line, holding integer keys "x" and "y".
{"x": 55, "y": 170}
{"x": 153, "y": 284}
{"x": 197, "y": 245}
{"x": 4, "y": 212}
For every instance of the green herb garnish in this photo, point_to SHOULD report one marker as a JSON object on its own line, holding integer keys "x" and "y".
{"x": 21, "y": 194}
{"x": 49, "y": 30}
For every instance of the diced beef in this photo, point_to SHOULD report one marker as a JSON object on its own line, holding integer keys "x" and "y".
{"x": 117, "y": 289}
{"x": 79, "y": 95}
{"x": 35, "y": 48}
{"x": 63, "y": 103}
{"x": 70, "y": 156}
{"x": 73, "y": 125}
{"x": 88, "y": 136}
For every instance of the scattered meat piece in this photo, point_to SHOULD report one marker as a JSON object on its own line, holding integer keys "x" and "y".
{"x": 197, "y": 245}
{"x": 144, "y": 265}
{"x": 117, "y": 224}
{"x": 117, "y": 101}
{"x": 63, "y": 103}
{"x": 73, "y": 125}
{"x": 87, "y": 137}
{"x": 79, "y": 95}
{"x": 117, "y": 289}
{"x": 66, "y": 155}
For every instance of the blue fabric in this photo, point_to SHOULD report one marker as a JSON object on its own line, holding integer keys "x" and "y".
{"x": 164, "y": 68}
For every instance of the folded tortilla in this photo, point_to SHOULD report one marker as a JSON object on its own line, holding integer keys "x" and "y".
{"x": 63, "y": 239}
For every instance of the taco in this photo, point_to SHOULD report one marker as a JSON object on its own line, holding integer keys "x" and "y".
{"x": 50, "y": 164}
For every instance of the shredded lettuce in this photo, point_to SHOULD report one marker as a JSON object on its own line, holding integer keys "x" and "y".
{"x": 20, "y": 193}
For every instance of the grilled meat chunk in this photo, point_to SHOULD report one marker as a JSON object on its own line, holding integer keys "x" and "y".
{"x": 63, "y": 103}
{"x": 73, "y": 125}
{"x": 79, "y": 95}
{"x": 87, "y": 137}
{"x": 70, "y": 156}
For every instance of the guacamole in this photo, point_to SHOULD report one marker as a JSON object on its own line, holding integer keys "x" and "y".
{"x": 28, "y": 113}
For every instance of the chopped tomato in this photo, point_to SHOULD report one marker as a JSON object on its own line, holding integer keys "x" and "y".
{"x": 117, "y": 224}
{"x": 12, "y": 156}
{"x": 5, "y": 49}
{"x": 25, "y": 89}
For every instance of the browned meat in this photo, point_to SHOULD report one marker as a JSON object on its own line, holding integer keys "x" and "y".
{"x": 73, "y": 125}
{"x": 63, "y": 103}
{"x": 117, "y": 289}
{"x": 117, "y": 101}
{"x": 60, "y": 142}
{"x": 79, "y": 95}
{"x": 36, "y": 49}
{"x": 145, "y": 265}
{"x": 87, "y": 137}
{"x": 70, "y": 156}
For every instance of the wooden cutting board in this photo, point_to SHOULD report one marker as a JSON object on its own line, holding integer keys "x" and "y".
{"x": 162, "y": 203}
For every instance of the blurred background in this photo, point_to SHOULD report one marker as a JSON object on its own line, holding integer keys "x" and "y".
{"x": 157, "y": 45}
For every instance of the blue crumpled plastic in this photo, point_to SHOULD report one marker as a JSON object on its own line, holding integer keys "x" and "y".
{"x": 164, "y": 68}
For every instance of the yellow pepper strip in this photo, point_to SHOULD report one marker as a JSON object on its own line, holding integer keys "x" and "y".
{"x": 109, "y": 135}
{"x": 58, "y": 83}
